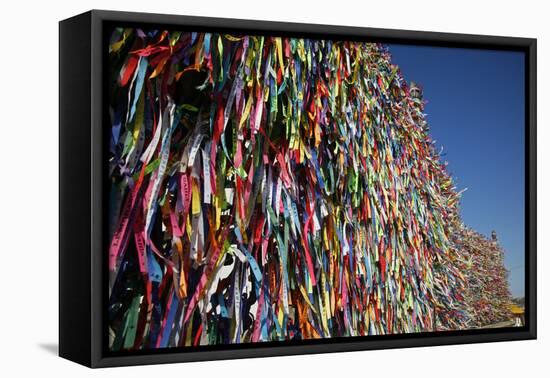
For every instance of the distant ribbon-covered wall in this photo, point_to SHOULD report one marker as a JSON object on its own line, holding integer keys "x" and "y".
{"x": 269, "y": 189}
{"x": 487, "y": 295}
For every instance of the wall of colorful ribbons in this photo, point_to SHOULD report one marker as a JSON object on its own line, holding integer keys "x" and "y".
{"x": 271, "y": 189}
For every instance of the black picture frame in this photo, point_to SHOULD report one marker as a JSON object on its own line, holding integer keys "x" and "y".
{"x": 82, "y": 188}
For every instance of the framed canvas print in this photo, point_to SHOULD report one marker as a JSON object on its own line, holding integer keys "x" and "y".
{"x": 233, "y": 188}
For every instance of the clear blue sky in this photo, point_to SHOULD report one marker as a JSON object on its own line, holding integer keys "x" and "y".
{"x": 475, "y": 109}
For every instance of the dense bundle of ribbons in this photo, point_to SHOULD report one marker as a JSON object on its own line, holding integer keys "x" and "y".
{"x": 267, "y": 189}
{"x": 487, "y": 296}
